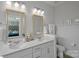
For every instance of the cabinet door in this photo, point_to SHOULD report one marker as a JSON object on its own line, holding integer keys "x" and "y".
{"x": 52, "y": 49}
{"x": 45, "y": 50}
{"x": 37, "y": 51}
{"x": 48, "y": 50}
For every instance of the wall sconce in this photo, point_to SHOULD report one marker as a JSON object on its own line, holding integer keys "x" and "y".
{"x": 37, "y": 11}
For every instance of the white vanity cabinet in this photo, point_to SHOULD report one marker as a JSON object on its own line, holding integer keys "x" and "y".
{"x": 45, "y": 50}
{"x": 25, "y": 53}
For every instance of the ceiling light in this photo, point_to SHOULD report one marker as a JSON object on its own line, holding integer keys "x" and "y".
{"x": 16, "y": 4}
{"x": 8, "y": 2}
{"x": 23, "y": 6}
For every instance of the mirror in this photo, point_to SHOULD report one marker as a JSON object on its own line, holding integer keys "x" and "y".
{"x": 37, "y": 26}
{"x": 15, "y": 24}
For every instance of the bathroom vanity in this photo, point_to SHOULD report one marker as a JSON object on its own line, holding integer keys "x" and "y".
{"x": 43, "y": 48}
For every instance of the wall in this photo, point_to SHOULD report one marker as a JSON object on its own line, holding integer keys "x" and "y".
{"x": 29, "y": 6}
{"x": 48, "y": 12}
{"x": 68, "y": 34}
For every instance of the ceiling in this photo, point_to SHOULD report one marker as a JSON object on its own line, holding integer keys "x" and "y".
{"x": 54, "y": 3}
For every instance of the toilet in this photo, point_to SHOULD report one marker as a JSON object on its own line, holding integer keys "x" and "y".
{"x": 60, "y": 50}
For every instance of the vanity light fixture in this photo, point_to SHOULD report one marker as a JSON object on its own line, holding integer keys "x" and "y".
{"x": 34, "y": 11}
{"x": 23, "y": 6}
{"x": 37, "y": 11}
{"x": 16, "y": 4}
{"x": 8, "y": 3}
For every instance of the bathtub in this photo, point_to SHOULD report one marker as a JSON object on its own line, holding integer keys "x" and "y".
{"x": 73, "y": 53}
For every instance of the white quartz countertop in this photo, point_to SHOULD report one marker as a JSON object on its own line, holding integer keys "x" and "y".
{"x": 5, "y": 49}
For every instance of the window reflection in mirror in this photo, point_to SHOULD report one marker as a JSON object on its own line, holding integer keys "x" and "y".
{"x": 15, "y": 23}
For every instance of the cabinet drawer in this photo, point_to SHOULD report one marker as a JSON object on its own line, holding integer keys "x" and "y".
{"x": 37, "y": 49}
{"x": 18, "y": 54}
{"x": 27, "y": 55}
{"x": 37, "y": 55}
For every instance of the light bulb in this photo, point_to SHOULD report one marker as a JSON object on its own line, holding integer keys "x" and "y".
{"x": 34, "y": 10}
{"x": 16, "y": 4}
{"x": 23, "y": 6}
{"x": 39, "y": 12}
{"x": 8, "y": 3}
{"x": 42, "y": 13}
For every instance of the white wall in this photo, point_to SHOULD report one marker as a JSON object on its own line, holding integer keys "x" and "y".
{"x": 68, "y": 33}
{"x": 29, "y": 6}
{"x": 48, "y": 12}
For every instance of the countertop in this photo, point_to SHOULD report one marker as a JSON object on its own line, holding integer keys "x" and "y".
{"x": 5, "y": 49}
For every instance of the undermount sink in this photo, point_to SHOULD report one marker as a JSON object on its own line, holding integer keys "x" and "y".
{"x": 15, "y": 43}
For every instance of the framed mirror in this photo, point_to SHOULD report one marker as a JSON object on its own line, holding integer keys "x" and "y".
{"x": 37, "y": 25}
{"x": 15, "y": 23}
